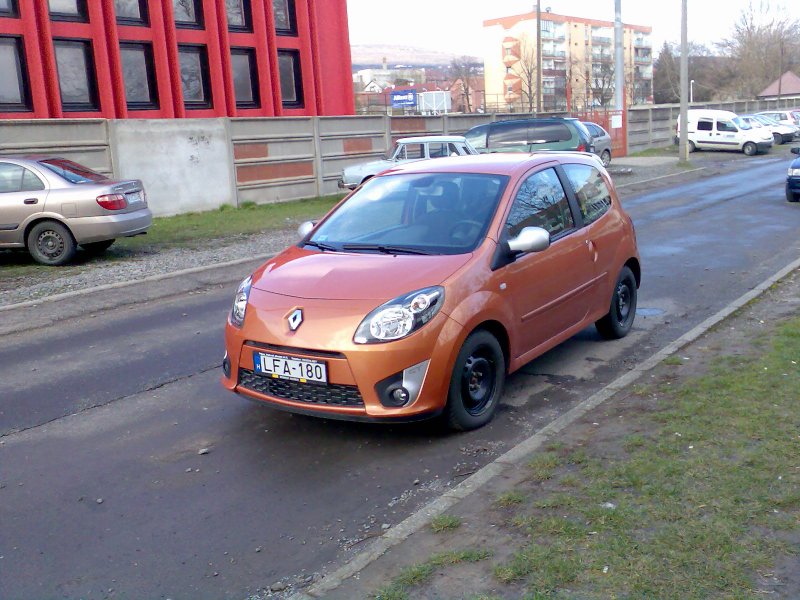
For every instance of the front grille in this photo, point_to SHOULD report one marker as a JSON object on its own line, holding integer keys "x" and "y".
{"x": 309, "y": 393}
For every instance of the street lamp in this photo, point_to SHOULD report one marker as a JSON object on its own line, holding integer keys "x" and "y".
{"x": 691, "y": 91}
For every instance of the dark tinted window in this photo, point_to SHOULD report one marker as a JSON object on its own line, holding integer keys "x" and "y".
{"x": 477, "y": 136}
{"x": 705, "y": 125}
{"x": 245, "y": 77}
{"x": 194, "y": 76}
{"x": 508, "y": 133}
{"x": 291, "y": 82}
{"x": 131, "y": 12}
{"x": 188, "y": 13}
{"x": 71, "y": 171}
{"x": 139, "y": 75}
{"x": 540, "y": 202}
{"x": 547, "y": 133}
{"x": 593, "y": 196}
{"x": 14, "y": 178}
{"x": 14, "y": 81}
{"x": 76, "y": 75}
{"x": 285, "y": 22}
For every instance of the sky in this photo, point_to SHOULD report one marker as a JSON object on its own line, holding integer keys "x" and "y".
{"x": 456, "y": 25}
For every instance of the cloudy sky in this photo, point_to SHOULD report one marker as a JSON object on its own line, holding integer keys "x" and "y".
{"x": 456, "y": 25}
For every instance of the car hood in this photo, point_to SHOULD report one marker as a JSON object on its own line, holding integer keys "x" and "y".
{"x": 345, "y": 276}
{"x": 368, "y": 168}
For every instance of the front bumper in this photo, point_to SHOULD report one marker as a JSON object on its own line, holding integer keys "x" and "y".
{"x": 346, "y": 186}
{"x": 765, "y": 146}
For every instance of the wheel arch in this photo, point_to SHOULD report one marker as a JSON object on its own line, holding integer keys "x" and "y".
{"x": 498, "y": 330}
{"x": 40, "y": 218}
{"x": 633, "y": 264}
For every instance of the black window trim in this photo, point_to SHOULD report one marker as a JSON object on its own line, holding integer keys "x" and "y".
{"x": 94, "y": 103}
{"x": 143, "y": 21}
{"x": 205, "y": 77}
{"x": 81, "y": 17}
{"x": 12, "y": 12}
{"x": 152, "y": 80}
{"x": 22, "y": 77}
{"x": 298, "y": 79}
{"x": 291, "y": 12}
{"x": 198, "y": 24}
{"x": 247, "y": 9}
{"x": 254, "y": 83}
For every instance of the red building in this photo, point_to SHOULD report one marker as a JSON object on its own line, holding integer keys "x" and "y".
{"x": 174, "y": 58}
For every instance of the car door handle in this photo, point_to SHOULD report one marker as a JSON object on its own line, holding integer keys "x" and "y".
{"x": 31, "y": 201}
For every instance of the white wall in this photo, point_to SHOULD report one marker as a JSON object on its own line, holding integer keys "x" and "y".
{"x": 185, "y": 164}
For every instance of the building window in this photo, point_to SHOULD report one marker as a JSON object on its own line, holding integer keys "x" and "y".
{"x": 238, "y": 12}
{"x": 131, "y": 12}
{"x": 8, "y": 8}
{"x": 76, "y": 75}
{"x": 291, "y": 80}
{"x": 285, "y": 20}
{"x": 188, "y": 13}
{"x": 245, "y": 77}
{"x": 138, "y": 72}
{"x": 14, "y": 85}
{"x": 68, "y": 10}
{"x": 195, "y": 80}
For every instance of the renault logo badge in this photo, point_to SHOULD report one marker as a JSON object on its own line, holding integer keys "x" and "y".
{"x": 295, "y": 319}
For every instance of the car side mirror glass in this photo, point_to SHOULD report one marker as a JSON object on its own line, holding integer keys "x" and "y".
{"x": 305, "y": 228}
{"x": 530, "y": 239}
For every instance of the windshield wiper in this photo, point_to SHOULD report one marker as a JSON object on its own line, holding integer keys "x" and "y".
{"x": 384, "y": 249}
{"x": 322, "y": 246}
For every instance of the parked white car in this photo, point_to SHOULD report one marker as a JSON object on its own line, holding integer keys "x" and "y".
{"x": 407, "y": 150}
{"x": 723, "y": 130}
{"x": 788, "y": 116}
{"x": 781, "y": 133}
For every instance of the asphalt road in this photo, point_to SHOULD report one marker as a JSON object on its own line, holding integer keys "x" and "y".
{"x": 103, "y": 492}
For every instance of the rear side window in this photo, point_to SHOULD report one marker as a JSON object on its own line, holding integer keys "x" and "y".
{"x": 549, "y": 133}
{"x": 14, "y": 178}
{"x": 437, "y": 150}
{"x": 705, "y": 125}
{"x": 505, "y": 134}
{"x": 540, "y": 202}
{"x": 591, "y": 191}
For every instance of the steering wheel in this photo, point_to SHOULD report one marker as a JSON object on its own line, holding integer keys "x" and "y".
{"x": 464, "y": 230}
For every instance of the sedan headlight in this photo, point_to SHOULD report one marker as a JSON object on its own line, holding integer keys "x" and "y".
{"x": 240, "y": 302}
{"x": 400, "y": 317}
{"x": 794, "y": 172}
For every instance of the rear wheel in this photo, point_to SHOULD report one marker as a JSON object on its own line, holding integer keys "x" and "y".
{"x": 618, "y": 321}
{"x": 476, "y": 383}
{"x": 750, "y": 149}
{"x": 605, "y": 157}
{"x": 692, "y": 147}
{"x": 97, "y": 247}
{"x": 50, "y": 243}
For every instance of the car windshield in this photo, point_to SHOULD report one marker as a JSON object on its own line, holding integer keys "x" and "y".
{"x": 72, "y": 171}
{"x": 742, "y": 124}
{"x": 422, "y": 213}
{"x": 765, "y": 120}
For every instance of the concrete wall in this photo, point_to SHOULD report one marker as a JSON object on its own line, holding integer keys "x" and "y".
{"x": 185, "y": 164}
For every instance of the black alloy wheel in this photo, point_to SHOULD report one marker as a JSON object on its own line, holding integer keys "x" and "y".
{"x": 619, "y": 319}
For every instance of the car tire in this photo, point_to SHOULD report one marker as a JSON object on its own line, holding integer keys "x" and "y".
{"x": 51, "y": 243}
{"x": 778, "y": 138}
{"x": 605, "y": 158}
{"x": 96, "y": 248}
{"x": 749, "y": 149}
{"x": 692, "y": 147}
{"x": 476, "y": 384}
{"x": 791, "y": 196}
{"x": 618, "y": 321}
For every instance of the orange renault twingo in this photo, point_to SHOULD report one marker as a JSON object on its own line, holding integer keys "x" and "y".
{"x": 426, "y": 286}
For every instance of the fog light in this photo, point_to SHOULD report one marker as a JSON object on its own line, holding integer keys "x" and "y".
{"x": 401, "y": 396}
{"x": 402, "y": 389}
{"x": 226, "y": 366}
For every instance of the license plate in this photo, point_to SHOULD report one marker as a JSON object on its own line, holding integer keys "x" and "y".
{"x": 304, "y": 370}
{"x": 134, "y": 197}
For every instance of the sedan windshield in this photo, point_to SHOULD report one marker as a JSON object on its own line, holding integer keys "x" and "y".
{"x": 72, "y": 171}
{"x": 423, "y": 213}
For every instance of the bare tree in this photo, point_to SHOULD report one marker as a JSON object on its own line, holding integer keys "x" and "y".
{"x": 465, "y": 70}
{"x": 526, "y": 69}
{"x": 602, "y": 78}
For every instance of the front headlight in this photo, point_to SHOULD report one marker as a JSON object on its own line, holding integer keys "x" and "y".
{"x": 240, "y": 302}
{"x": 400, "y": 317}
{"x": 794, "y": 172}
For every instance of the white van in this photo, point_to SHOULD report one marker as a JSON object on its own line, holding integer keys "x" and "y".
{"x": 723, "y": 130}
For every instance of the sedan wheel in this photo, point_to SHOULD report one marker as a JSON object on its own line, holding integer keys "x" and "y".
{"x": 51, "y": 243}
{"x": 476, "y": 383}
{"x": 606, "y": 158}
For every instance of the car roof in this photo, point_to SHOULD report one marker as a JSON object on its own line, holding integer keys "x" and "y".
{"x": 422, "y": 139}
{"x": 499, "y": 163}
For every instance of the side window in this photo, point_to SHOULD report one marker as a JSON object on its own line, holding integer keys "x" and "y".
{"x": 31, "y": 182}
{"x": 437, "y": 150}
{"x": 11, "y": 178}
{"x": 549, "y": 133}
{"x": 453, "y": 150}
{"x": 593, "y": 196}
{"x": 726, "y": 126}
{"x": 508, "y": 134}
{"x": 477, "y": 136}
{"x": 705, "y": 125}
{"x": 540, "y": 202}
{"x": 414, "y": 151}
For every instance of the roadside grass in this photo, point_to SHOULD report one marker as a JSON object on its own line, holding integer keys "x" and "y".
{"x": 442, "y": 523}
{"x": 421, "y": 573}
{"x": 671, "y": 150}
{"x": 701, "y": 505}
{"x": 190, "y": 230}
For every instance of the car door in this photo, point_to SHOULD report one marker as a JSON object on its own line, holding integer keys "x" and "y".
{"x": 704, "y": 133}
{"x": 22, "y": 194}
{"x": 727, "y": 135}
{"x": 547, "y": 290}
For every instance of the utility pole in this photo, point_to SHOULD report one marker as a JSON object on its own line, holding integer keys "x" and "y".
{"x": 619, "y": 58}
{"x": 538, "y": 56}
{"x": 683, "y": 150}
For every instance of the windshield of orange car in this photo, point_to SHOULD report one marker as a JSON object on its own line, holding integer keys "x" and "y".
{"x": 423, "y": 213}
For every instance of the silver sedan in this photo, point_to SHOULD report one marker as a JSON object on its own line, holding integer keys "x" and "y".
{"x": 51, "y": 205}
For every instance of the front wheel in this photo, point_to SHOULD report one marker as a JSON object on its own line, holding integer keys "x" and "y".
{"x": 618, "y": 321}
{"x": 791, "y": 196}
{"x": 749, "y": 149}
{"x": 50, "y": 243}
{"x": 476, "y": 383}
{"x": 605, "y": 157}
{"x": 778, "y": 138}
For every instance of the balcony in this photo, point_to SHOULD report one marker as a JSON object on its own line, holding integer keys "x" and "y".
{"x": 553, "y": 53}
{"x": 642, "y": 60}
{"x": 601, "y": 40}
{"x": 642, "y": 42}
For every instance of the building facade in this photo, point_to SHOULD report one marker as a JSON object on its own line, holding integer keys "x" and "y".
{"x": 576, "y": 62}
{"x": 174, "y": 58}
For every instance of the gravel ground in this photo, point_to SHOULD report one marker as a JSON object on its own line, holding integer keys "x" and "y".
{"x": 128, "y": 265}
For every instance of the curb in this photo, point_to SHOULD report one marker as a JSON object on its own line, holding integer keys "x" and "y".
{"x": 514, "y": 457}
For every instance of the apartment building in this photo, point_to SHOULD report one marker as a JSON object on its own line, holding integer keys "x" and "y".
{"x": 576, "y": 62}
